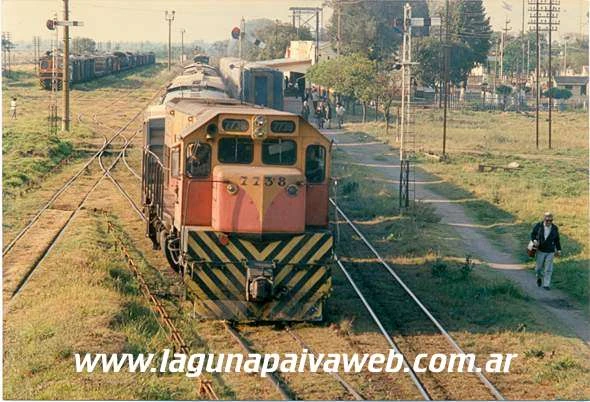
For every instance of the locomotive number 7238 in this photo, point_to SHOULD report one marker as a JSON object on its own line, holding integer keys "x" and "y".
{"x": 267, "y": 180}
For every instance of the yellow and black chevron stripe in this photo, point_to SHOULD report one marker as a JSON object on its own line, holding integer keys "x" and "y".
{"x": 217, "y": 276}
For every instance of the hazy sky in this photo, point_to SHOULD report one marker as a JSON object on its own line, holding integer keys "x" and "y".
{"x": 208, "y": 20}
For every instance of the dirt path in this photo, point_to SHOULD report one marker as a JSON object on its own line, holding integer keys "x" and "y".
{"x": 452, "y": 213}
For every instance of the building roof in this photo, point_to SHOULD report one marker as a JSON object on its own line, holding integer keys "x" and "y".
{"x": 572, "y": 80}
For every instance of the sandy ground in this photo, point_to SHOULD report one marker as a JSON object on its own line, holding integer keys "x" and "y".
{"x": 557, "y": 304}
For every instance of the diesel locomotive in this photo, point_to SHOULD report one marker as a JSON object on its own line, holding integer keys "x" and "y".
{"x": 236, "y": 196}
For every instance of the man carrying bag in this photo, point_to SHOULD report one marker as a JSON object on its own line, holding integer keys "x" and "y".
{"x": 545, "y": 239}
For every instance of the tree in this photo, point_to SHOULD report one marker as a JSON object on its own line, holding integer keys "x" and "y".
{"x": 352, "y": 76}
{"x": 275, "y": 34}
{"x": 428, "y": 55}
{"x": 558, "y": 93}
{"x": 367, "y": 27}
{"x": 83, "y": 45}
{"x": 388, "y": 88}
{"x": 470, "y": 36}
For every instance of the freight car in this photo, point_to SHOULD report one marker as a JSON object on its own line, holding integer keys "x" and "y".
{"x": 88, "y": 67}
{"x": 236, "y": 196}
{"x": 253, "y": 83}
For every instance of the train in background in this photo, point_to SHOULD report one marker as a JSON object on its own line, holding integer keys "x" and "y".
{"x": 252, "y": 82}
{"x": 236, "y": 197}
{"x": 90, "y": 66}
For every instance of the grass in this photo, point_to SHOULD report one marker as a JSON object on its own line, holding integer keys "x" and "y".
{"x": 35, "y": 161}
{"x": 555, "y": 180}
{"x": 89, "y": 312}
{"x": 485, "y": 312}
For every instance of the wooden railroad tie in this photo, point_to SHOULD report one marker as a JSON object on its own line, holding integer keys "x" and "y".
{"x": 204, "y": 386}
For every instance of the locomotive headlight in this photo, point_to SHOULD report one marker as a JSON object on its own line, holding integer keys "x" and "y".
{"x": 260, "y": 127}
{"x": 292, "y": 190}
{"x": 232, "y": 189}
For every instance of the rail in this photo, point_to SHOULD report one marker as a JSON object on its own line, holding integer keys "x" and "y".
{"x": 174, "y": 335}
{"x": 493, "y": 390}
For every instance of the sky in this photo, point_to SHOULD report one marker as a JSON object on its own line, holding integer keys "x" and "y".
{"x": 206, "y": 20}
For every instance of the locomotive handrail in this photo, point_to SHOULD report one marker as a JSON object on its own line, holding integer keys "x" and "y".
{"x": 147, "y": 150}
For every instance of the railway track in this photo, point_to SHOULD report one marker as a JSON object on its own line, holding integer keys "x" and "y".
{"x": 55, "y": 216}
{"x": 419, "y": 382}
{"x": 277, "y": 382}
{"x": 205, "y": 385}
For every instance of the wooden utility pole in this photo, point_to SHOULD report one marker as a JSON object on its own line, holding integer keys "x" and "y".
{"x": 339, "y": 26}
{"x": 503, "y": 40}
{"x": 317, "y": 35}
{"x": 446, "y": 72}
{"x": 169, "y": 17}
{"x": 65, "y": 123}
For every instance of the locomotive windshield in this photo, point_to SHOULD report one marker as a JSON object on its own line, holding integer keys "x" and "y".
{"x": 236, "y": 150}
{"x": 279, "y": 152}
{"x": 315, "y": 163}
{"x": 198, "y": 160}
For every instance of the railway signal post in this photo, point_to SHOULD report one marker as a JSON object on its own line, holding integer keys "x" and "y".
{"x": 52, "y": 24}
{"x": 406, "y": 134}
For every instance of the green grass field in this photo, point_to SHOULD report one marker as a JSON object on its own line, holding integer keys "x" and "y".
{"x": 483, "y": 310}
{"x": 548, "y": 179}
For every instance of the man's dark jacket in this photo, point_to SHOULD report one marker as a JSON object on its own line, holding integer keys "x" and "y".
{"x": 551, "y": 243}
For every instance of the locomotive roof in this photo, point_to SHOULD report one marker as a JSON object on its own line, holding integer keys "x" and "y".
{"x": 197, "y": 80}
{"x": 206, "y": 109}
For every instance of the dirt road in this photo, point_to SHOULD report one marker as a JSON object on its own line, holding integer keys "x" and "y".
{"x": 559, "y": 306}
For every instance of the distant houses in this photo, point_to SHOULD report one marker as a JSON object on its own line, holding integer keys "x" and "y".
{"x": 577, "y": 84}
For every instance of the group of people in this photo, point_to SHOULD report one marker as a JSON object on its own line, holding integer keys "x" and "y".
{"x": 323, "y": 113}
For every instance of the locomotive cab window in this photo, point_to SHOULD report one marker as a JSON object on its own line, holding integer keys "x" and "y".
{"x": 175, "y": 162}
{"x": 198, "y": 159}
{"x": 235, "y": 150}
{"x": 279, "y": 152}
{"x": 315, "y": 164}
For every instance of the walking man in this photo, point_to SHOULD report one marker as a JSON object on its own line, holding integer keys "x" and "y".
{"x": 545, "y": 237}
{"x": 13, "y": 108}
{"x": 305, "y": 110}
{"x": 328, "y": 113}
{"x": 340, "y": 114}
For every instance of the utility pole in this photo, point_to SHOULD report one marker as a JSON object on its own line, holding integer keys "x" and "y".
{"x": 534, "y": 15}
{"x": 182, "y": 31}
{"x": 65, "y": 123}
{"x": 446, "y": 72}
{"x": 550, "y": 80}
{"x": 169, "y": 17}
{"x": 565, "y": 55}
{"x": 523, "y": 76}
{"x": 544, "y": 15}
{"x": 242, "y": 34}
{"x": 338, "y": 27}
{"x": 440, "y": 63}
{"x": 317, "y": 35}
{"x": 503, "y": 39}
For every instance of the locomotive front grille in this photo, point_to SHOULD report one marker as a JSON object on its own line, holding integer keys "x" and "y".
{"x": 286, "y": 279}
